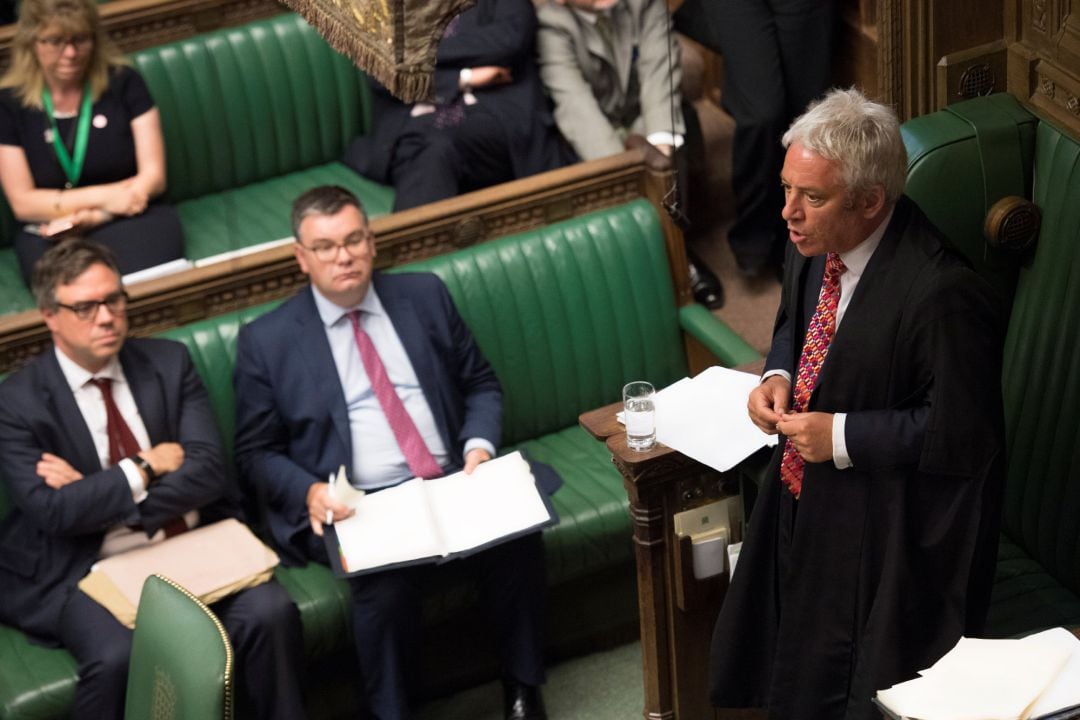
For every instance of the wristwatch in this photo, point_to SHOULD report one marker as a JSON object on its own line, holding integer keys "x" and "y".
{"x": 142, "y": 464}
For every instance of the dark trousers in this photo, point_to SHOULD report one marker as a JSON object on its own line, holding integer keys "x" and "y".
{"x": 151, "y": 238}
{"x": 387, "y": 621}
{"x": 777, "y": 58}
{"x": 446, "y": 153}
{"x": 263, "y": 625}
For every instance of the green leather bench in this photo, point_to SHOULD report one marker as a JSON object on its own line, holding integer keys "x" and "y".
{"x": 252, "y": 116}
{"x": 963, "y": 159}
{"x": 566, "y": 315}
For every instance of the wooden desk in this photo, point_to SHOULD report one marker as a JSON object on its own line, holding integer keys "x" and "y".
{"x": 677, "y": 611}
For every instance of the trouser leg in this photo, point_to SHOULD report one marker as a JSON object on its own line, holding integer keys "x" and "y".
{"x": 102, "y": 648}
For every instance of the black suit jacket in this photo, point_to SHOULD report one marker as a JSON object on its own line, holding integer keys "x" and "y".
{"x": 885, "y": 564}
{"x": 494, "y": 32}
{"x": 50, "y": 538}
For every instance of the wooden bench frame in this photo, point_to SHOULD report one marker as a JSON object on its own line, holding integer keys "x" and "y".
{"x": 426, "y": 231}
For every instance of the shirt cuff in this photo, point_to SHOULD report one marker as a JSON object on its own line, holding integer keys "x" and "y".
{"x": 782, "y": 373}
{"x": 135, "y": 479}
{"x": 840, "y": 456}
{"x": 663, "y": 137}
{"x": 473, "y": 443}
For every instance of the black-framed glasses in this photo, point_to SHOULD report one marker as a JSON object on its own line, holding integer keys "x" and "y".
{"x": 88, "y": 309}
{"x": 57, "y": 42}
{"x": 326, "y": 251}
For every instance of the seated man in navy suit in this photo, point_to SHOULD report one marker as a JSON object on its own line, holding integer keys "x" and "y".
{"x": 380, "y": 374}
{"x": 108, "y": 443}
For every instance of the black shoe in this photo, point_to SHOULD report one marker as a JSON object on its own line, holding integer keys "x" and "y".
{"x": 522, "y": 702}
{"x": 706, "y": 287}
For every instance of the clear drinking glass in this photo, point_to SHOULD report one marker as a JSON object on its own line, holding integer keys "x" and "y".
{"x": 639, "y": 414}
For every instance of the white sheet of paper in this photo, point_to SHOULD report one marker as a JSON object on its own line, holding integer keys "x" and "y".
{"x": 499, "y": 498}
{"x": 431, "y": 518}
{"x": 388, "y": 527}
{"x": 980, "y": 680}
{"x": 1065, "y": 691}
{"x": 705, "y": 418}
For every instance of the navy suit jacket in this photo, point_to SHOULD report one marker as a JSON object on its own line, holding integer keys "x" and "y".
{"x": 50, "y": 538}
{"x": 292, "y": 426}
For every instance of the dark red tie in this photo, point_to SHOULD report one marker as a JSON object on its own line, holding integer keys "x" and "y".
{"x": 419, "y": 458}
{"x": 122, "y": 444}
{"x": 816, "y": 346}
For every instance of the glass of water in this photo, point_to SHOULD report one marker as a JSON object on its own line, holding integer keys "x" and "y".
{"x": 639, "y": 414}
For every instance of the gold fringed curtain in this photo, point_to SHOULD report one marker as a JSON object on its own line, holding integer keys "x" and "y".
{"x": 393, "y": 41}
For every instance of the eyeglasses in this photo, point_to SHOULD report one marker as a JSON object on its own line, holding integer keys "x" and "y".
{"x": 326, "y": 251}
{"x": 56, "y": 42}
{"x": 88, "y": 309}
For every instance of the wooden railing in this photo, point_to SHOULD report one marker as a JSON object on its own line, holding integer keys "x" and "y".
{"x": 422, "y": 232}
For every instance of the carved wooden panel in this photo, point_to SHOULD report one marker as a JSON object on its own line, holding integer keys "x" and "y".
{"x": 1044, "y": 57}
{"x": 422, "y": 232}
{"x": 137, "y": 24}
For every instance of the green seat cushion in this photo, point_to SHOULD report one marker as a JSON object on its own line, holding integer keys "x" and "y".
{"x": 324, "y": 605}
{"x": 36, "y": 683}
{"x": 259, "y": 212}
{"x": 14, "y": 295}
{"x": 1026, "y": 597}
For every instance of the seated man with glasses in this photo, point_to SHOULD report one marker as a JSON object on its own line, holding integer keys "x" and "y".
{"x": 108, "y": 443}
{"x": 379, "y": 373}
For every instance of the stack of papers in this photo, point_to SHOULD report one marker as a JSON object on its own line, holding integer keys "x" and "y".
{"x": 1033, "y": 677}
{"x": 705, "y": 418}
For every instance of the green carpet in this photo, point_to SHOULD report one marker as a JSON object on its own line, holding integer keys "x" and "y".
{"x": 602, "y": 686}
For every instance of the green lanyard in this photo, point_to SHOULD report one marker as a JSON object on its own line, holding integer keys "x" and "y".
{"x": 72, "y": 166}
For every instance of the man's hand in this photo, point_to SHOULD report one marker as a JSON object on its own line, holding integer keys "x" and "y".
{"x": 487, "y": 75}
{"x": 164, "y": 457}
{"x": 474, "y": 457}
{"x": 810, "y": 433}
{"x": 320, "y": 505}
{"x": 768, "y": 401}
{"x": 56, "y": 471}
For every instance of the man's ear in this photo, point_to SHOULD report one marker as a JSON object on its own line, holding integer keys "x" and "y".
{"x": 49, "y": 316}
{"x": 872, "y": 201}
{"x": 300, "y": 259}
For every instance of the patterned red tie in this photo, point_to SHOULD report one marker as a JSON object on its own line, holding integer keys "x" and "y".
{"x": 815, "y": 347}
{"x": 122, "y": 444}
{"x": 421, "y": 462}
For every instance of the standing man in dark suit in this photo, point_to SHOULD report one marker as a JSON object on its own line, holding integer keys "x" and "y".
{"x": 487, "y": 123}
{"x": 872, "y": 544}
{"x": 107, "y": 443}
{"x": 379, "y": 374}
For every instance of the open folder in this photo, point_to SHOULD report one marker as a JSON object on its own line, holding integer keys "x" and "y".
{"x": 423, "y": 521}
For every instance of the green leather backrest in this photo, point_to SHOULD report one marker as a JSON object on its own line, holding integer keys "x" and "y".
{"x": 247, "y": 103}
{"x": 181, "y": 659}
{"x": 1042, "y": 372}
{"x": 569, "y": 314}
{"x": 963, "y": 159}
{"x": 566, "y": 315}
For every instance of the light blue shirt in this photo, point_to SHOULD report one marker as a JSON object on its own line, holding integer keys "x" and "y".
{"x": 377, "y": 460}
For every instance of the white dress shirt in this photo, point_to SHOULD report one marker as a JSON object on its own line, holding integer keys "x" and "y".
{"x": 855, "y": 260}
{"x": 88, "y": 397}
{"x": 377, "y": 459}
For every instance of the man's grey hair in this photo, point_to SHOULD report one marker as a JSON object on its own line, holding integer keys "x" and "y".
{"x": 323, "y": 200}
{"x": 861, "y": 136}
{"x": 63, "y": 263}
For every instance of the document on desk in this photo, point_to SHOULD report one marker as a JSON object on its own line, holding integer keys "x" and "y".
{"x": 705, "y": 418}
{"x": 421, "y": 521}
{"x": 1016, "y": 679}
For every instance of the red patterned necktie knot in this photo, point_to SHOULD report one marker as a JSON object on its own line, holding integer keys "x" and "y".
{"x": 419, "y": 458}
{"x": 815, "y": 347}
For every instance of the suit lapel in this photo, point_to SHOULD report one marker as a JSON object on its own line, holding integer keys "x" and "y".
{"x": 79, "y": 449}
{"x": 311, "y": 337}
{"x": 146, "y": 388}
